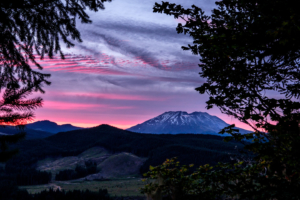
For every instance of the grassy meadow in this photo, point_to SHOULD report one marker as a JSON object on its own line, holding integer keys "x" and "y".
{"x": 116, "y": 187}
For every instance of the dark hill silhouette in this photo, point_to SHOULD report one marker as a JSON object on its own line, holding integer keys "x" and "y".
{"x": 51, "y": 127}
{"x": 30, "y": 133}
{"x": 189, "y": 148}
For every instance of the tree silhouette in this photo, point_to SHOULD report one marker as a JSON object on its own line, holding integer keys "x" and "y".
{"x": 31, "y": 29}
{"x": 250, "y": 49}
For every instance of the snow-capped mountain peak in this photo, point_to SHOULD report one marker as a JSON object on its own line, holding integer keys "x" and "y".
{"x": 181, "y": 122}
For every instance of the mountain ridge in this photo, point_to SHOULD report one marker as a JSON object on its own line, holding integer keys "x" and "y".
{"x": 175, "y": 122}
{"x": 30, "y": 133}
{"x": 189, "y": 148}
{"x": 52, "y": 127}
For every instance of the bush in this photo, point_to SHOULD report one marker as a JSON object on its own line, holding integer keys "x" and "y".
{"x": 79, "y": 172}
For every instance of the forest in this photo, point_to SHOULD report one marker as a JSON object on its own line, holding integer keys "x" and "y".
{"x": 79, "y": 172}
{"x": 10, "y": 191}
{"x": 189, "y": 148}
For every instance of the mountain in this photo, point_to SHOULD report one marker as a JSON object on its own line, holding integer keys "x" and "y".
{"x": 51, "y": 127}
{"x": 198, "y": 149}
{"x": 175, "y": 122}
{"x": 30, "y": 133}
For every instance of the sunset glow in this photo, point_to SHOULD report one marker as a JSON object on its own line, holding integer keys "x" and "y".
{"x": 127, "y": 70}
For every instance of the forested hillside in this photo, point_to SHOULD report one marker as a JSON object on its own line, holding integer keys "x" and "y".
{"x": 30, "y": 133}
{"x": 189, "y": 148}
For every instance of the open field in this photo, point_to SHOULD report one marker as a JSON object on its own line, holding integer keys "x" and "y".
{"x": 116, "y": 187}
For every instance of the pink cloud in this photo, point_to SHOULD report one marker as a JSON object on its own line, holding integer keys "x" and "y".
{"x": 111, "y": 96}
{"x": 91, "y": 70}
{"x": 82, "y": 64}
{"x": 64, "y": 105}
{"x": 60, "y": 105}
{"x": 87, "y": 64}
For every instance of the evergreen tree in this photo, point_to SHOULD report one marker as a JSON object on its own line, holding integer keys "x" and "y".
{"x": 249, "y": 49}
{"x": 31, "y": 29}
{"x": 5, "y": 153}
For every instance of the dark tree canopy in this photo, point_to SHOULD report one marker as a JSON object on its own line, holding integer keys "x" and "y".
{"x": 250, "y": 56}
{"x": 32, "y": 29}
{"x": 247, "y": 48}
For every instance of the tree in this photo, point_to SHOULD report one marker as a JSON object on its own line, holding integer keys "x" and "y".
{"x": 30, "y": 29}
{"x": 5, "y": 153}
{"x": 249, "y": 48}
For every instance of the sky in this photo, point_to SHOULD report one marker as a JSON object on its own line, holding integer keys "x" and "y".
{"x": 129, "y": 68}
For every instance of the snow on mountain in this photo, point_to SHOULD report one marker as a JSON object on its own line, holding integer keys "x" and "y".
{"x": 175, "y": 122}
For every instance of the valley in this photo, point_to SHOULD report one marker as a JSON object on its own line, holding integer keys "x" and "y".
{"x": 111, "y": 165}
{"x": 115, "y": 187}
{"x": 119, "y": 173}
{"x": 119, "y": 158}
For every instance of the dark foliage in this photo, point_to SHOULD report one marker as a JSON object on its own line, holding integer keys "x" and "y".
{"x": 64, "y": 175}
{"x": 72, "y": 195}
{"x": 5, "y": 140}
{"x": 30, "y": 133}
{"x": 247, "y": 48}
{"x": 79, "y": 172}
{"x": 31, "y": 29}
{"x": 32, "y": 177}
{"x": 9, "y": 191}
{"x": 129, "y": 198}
{"x": 250, "y": 54}
{"x": 26, "y": 176}
{"x": 189, "y": 148}
{"x": 91, "y": 167}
